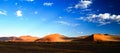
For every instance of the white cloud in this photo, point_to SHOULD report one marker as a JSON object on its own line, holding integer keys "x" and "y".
{"x": 83, "y": 4}
{"x": 48, "y": 4}
{"x": 102, "y": 19}
{"x": 67, "y": 23}
{"x": 60, "y": 17}
{"x": 3, "y": 12}
{"x": 105, "y": 16}
{"x": 30, "y": 0}
{"x": 19, "y": 13}
{"x": 36, "y": 12}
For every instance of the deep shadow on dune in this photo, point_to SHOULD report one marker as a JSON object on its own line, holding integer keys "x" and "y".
{"x": 59, "y": 47}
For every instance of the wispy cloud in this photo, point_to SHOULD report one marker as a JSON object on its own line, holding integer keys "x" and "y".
{"x": 30, "y": 0}
{"x": 19, "y": 13}
{"x": 102, "y": 19}
{"x": 16, "y": 3}
{"x": 67, "y": 23}
{"x": 69, "y": 8}
{"x": 63, "y": 22}
{"x": 3, "y": 12}
{"x": 36, "y": 12}
{"x": 48, "y": 4}
{"x": 60, "y": 17}
{"x": 83, "y": 4}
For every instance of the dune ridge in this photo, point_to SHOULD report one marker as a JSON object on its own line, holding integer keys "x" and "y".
{"x": 103, "y": 37}
{"x": 61, "y": 38}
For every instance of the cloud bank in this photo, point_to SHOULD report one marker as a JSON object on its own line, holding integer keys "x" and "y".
{"x": 83, "y": 5}
{"x": 102, "y": 19}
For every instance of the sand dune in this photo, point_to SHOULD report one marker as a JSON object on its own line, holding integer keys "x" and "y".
{"x": 24, "y": 38}
{"x": 61, "y": 38}
{"x": 103, "y": 37}
{"x": 98, "y": 37}
{"x": 53, "y": 38}
{"x": 28, "y": 38}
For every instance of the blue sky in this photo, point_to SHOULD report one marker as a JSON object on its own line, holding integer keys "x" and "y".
{"x": 67, "y": 17}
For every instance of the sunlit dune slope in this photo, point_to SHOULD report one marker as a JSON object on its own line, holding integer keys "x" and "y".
{"x": 61, "y": 38}
{"x": 27, "y": 38}
{"x": 103, "y": 37}
{"x": 98, "y": 37}
{"x": 53, "y": 38}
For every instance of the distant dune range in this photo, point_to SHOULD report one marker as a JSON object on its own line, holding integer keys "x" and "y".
{"x": 26, "y": 38}
{"x": 62, "y": 38}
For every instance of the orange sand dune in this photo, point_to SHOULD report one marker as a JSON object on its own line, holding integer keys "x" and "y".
{"x": 98, "y": 37}
{"x": 53, "y": 38}
{"x": 102, "y": 37}
{"x": 27, "y": 38}
{"x": 94, "y": 37}
{"x": 61, "y": 38}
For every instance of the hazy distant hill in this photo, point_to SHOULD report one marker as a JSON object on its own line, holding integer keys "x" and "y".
{"x": 6, "y": 39}
{"x": 28, "y": 38}
{"x": 24, "y": 38}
